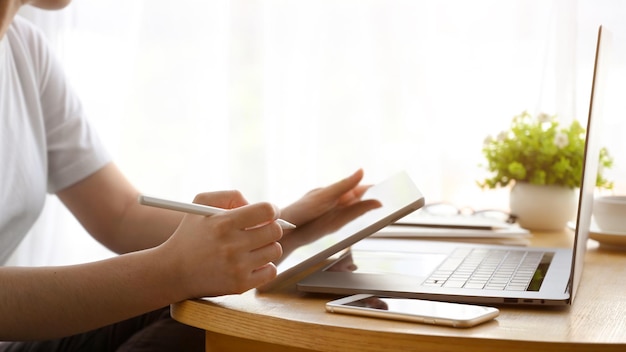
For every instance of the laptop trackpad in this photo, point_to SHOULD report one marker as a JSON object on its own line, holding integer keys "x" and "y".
{"x": 415, "y": 265}
{"x": 393, "y": 265}
{"x": 380, "y": 270}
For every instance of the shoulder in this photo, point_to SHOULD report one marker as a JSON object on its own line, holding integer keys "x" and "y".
{"x": 24, "y": 31}
{"x": 27, "y": 42}
{"x": 32, "y": 55}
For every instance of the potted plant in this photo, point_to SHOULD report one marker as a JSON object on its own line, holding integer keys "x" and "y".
{"x": 542, "y": 161}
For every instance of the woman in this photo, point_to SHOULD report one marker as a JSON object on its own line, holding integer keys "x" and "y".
{"x": 119, "y": 304}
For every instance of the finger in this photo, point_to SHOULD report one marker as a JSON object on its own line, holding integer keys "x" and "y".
{"x": 260, "y": 236}
{"x": 340, "y": 187}
{"x": 360, "y": 190}
{"x": 262, "y": 275}
{"x": 254, "y": 215}
{"x": 221, "y": 199}
{"x": 353, "y": 195}
{"x": 262, "y": 261}
{"x": 270, "y": 253}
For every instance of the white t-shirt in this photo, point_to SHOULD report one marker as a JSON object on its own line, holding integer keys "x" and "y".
{"x": 46, "y": 143}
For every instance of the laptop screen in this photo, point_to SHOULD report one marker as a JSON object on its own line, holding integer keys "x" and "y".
{"x": 592, "y": 153}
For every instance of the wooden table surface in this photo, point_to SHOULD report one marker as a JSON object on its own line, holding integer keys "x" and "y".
{"x": 287, "y": 320}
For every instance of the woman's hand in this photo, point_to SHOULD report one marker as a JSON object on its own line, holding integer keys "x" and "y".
{"x": 225, "y": 253}
{"x": 325, "y": 210}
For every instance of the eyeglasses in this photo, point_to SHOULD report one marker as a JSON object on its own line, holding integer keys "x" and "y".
{"x": 448, "y": 209}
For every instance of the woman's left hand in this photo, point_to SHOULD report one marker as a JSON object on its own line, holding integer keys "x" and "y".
{"x": 325, "y": 210}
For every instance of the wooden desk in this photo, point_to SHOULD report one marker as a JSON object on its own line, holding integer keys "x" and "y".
{"x": 287, "y": 320}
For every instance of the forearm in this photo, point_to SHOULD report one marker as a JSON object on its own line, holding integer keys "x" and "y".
{"x": 106, "y": 204}
{"x": 42, "y": 303}
{"x": 142, "y": 227}
{"x": 205, "y": 256}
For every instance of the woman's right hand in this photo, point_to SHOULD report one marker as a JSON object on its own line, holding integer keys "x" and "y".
{"x": 226, "y": 253}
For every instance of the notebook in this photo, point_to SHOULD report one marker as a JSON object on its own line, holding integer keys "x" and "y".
{"x": 463, "y": 272}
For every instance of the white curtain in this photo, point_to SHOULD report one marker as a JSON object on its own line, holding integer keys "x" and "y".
{"x": 276, "y": 97}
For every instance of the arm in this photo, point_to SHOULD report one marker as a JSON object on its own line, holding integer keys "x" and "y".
{"x": 205, "y": 256}
{"x": 106, "y": 204}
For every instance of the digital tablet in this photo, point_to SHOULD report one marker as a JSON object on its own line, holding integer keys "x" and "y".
{"x": 398, "y": 196}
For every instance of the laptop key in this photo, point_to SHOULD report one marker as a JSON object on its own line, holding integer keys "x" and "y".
{"x": 454, "y": 283}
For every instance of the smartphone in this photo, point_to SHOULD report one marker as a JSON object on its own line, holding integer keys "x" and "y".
{"x": 414, "y": 310}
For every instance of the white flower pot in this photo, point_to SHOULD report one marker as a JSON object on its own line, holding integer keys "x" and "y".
{"x": 543, "y": 208}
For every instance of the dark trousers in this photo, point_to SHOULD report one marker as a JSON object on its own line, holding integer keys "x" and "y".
{"x": 154, "y": 331}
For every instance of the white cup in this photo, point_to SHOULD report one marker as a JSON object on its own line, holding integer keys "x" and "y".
{"x": 609, "y": 213}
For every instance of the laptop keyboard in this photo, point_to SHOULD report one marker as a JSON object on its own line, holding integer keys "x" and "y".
{"x": 491, "y": 269}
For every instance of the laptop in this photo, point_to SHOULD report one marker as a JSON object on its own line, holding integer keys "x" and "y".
{"x": 476, "y": 273}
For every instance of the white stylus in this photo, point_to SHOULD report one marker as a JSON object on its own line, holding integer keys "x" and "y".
{"x": 194, "y": 208}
